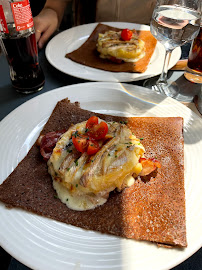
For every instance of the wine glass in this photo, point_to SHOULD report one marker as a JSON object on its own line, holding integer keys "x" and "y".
{"x": 173, "y": 23}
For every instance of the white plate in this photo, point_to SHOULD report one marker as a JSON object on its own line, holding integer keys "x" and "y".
{"x": 42, "y": 243}
{"x": 73, "y": 38}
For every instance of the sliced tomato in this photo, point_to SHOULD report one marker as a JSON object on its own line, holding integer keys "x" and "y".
{"x": 126, "y": 34}
{"x": 85, "y": 144}
{"x": 98, "y": 131}
{"x": 93, "y": 120}
{"x": 148, "y": 165}
{"x": 93, "y": 147}
{"x": 80, "y": 142}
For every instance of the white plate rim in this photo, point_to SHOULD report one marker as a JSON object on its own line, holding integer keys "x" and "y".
{"x": 63, "y": 90}
{"x": 59, "y": 45}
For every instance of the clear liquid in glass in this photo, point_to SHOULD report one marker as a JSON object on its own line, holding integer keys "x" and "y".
{"x": 174, "y": 25}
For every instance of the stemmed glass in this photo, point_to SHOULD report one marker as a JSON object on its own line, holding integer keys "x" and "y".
{"x": 173, "y": 23}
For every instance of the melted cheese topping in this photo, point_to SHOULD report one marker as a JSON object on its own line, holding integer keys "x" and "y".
{"x": 110, "y": 45}
{"x": 84, "y": 201}
{"x": 83, "y": 182}
{"x": 78, "y": 203}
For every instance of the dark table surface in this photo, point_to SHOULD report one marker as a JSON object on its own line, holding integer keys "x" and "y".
{"x": 10, "y": 99}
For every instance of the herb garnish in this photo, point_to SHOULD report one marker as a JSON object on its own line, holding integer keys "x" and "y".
{"x": 76, "y": 162}
{"x": 124, "y": 122}
{"x": 75, "y": 134}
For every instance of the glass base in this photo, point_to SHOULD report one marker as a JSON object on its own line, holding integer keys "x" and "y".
{"x": 170, "y": 90}
{"x": 193, "y": 76}
{"x": 30, "y": 91}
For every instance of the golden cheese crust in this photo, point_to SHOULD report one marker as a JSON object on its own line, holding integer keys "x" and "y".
{"x": 94, "y": 177}
{"x": 110, "y": 45}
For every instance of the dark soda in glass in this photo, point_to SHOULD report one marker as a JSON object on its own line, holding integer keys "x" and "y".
{"x": 195, "y": 56}
{"x": 193, "y": 71}
{"x": 22, "y": 55}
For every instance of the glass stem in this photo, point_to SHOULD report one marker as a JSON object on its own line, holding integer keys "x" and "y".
{"x": 163, "y": 78}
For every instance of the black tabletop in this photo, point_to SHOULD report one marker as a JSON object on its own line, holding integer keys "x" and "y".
{"x": 10, "y": 99}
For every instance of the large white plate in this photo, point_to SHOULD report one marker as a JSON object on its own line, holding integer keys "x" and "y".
{"x": 42, "y": 243}
{"x": 73, "y": 38}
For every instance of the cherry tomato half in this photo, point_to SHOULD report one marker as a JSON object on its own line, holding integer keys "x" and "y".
{"x": 93, "y": 120}
{"x": 83, "y": 144}
{"x": 80, "y": 142}
{"x": 98, "y": 131}
{"x": 126, "y": 34}
{"x": 93, "y": 147}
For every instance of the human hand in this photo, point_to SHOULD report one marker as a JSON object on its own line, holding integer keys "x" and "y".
{"x": 45, "y": 23}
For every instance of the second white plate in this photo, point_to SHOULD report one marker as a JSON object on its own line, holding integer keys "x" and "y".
{"x": 71, "y": 39}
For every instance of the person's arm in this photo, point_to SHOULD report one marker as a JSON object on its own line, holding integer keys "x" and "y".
{"x": 48, "y": 20}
